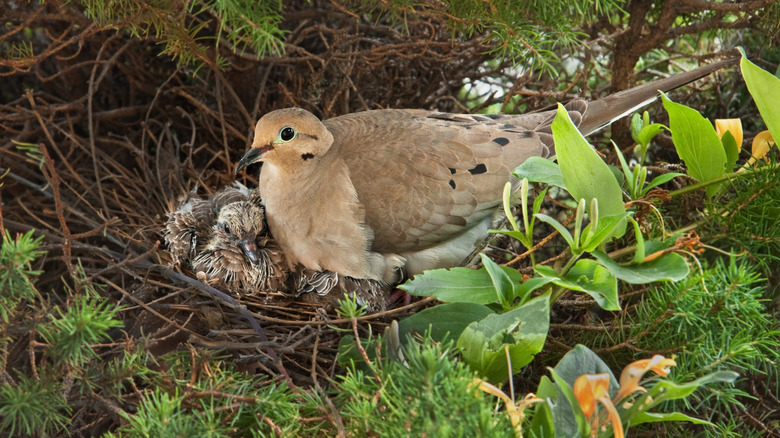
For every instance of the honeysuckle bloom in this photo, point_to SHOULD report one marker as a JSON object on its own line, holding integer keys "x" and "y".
{"x": 515, "y": 411}
{"x": 761, "y": 144}
{"x": 591, "y": 389}
{"x": 632, "y": 374}
{"x": 734, "y": 126}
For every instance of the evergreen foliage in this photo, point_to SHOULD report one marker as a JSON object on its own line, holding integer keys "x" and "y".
{"x": 430, "y": 393}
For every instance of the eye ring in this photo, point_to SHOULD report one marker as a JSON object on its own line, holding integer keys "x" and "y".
{"x": 287, "y": 133}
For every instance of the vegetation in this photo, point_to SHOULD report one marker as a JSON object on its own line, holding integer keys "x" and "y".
{"x": 113, "y": 109}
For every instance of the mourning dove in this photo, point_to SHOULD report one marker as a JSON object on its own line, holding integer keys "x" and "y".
{"x": 225, "y": 238}
{"x": 369, "y": 194}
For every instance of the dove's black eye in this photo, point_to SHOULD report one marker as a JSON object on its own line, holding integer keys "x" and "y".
{"x": 287, "y": 133}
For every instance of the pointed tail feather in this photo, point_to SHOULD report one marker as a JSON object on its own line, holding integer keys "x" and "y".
{"x": 603, "y": 112}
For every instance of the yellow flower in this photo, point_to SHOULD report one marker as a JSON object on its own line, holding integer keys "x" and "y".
{"x": 590, "y": 389}
{"x": 762, "y": 142}
{"x": 516, "y": 411}
{"x": 629, "y": 378}
{"x": 734, "y": 126}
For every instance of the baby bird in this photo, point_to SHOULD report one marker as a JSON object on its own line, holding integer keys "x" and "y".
{"x": 224, "y": 236}
{"x": 189, "y": 226}
{"x": 327, "y": 287}
{"x": 240, "y": 253}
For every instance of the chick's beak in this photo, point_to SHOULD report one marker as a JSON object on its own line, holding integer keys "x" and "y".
{"x": 249, "y": 247}
{"x": 253, "y": 155}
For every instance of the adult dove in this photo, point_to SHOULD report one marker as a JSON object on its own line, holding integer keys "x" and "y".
{"x": 373, "y": 194}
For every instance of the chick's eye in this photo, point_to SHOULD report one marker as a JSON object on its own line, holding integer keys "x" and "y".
{"x": 287, "y": 133}
{"x": 225, "y": 227}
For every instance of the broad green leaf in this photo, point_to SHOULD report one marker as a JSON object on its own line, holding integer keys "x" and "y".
{"x": 732, "y": 150}
{"x": 765, "y": 89}
{"x": 458, "y": 284}
{"x": 652, "y": 417}
{"x": 587, "y": 276}
{"x": 522, "y": 331}
{"x": 580, "y": 360}
{"x": 567, "y": 390}
{"x": 585, "y": 174}
{"x": 542, "y": 419}
{"x": 445, "y": 321}
{"x": 668, "y": 267}
{"x": 696, "y": 142}
{"x": 505, "y": 292}
{"x": 538, "y": 169}
{"x": 530, "y": 285}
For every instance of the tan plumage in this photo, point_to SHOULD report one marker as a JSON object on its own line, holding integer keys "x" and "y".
{"x": 368, "y": 194}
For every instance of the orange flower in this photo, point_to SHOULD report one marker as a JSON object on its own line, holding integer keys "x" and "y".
{"x": 591, "y": 389}
{"x": 629, "y": 378}
{"x": 734, "y": 126}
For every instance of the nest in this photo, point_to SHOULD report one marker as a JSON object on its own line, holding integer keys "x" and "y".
{"x": 101, "y": 138}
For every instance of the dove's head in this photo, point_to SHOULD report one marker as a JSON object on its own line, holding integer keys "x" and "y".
{"x": 287, "y": 138}
{"x": 239, "y": 225}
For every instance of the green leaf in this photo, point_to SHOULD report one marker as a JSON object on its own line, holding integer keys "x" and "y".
{"x": 580, "y": 360}
{"x": 661, "y": 179}
{"x": 519, "y": 235}
{"x": 665, "y": 390}
{"x": 668, "y": 267}
{"x": 530, "y": 285}
{"x": 585, "y": 174}
{"x": 765, "y": 89}
{"x": 606, "y": 227}
{"x": 538, "y": 169}
{"x": 732, "y": 150}
{"x": 522, "y": 331}
{"x": 652, "y": 417}
{"x": 587, "y": 276}
{"x": 639, "y": 254}
{"x": 580, "y": 422}
{"x": 636, "y": 125}
{"x": 542, "y": 418}
{"x": 648, "y": 132}
{"x": 622, "y": 159}
{"x": 445, "y": 321}
{"x": 696, "y": 142}
{"x": 503, "y": 285}
{"x": 558, "y": 226}
{"x": 458, "y": 284}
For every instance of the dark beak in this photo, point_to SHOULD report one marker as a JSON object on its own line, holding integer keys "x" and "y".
{"x": 249, "y": 247}
{"x": 252, "y": 156}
